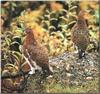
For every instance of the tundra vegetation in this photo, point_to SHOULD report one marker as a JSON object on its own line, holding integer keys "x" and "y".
{"x": 52, "y": 23}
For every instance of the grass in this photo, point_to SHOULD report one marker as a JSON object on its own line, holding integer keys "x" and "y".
{"x": 88, "y": 87}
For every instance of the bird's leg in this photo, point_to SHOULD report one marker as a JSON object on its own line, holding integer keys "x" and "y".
{"x": 42, "y": 77}
{"x": 81, "y": 53}
{"x": 47, "y": 71}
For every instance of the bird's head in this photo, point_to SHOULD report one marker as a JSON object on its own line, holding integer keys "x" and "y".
{"x": 28, "y": 31}
{"x": 30, "y": 34}
{"x": 83, "y": 14}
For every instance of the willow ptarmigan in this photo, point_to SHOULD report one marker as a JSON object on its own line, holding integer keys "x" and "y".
{"x": 80, "y": 34}
{"x": 35, "y": 52}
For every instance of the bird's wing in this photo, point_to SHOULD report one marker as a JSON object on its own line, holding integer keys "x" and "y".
{"x": 38, "y": 54}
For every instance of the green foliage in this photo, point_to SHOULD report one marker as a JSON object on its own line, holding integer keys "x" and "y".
{"x": 8, "y": 54}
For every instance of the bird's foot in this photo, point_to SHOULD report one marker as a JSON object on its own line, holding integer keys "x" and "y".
{"x": 81, "y": 54}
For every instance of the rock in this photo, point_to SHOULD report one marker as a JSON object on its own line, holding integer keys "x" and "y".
{"x": 89, "y": 78}
{"x": 69, "y": 74}
{"x": 68, "y": 67}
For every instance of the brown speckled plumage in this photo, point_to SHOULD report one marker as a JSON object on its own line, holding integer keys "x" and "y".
{"x": 80, "y": 34}
{"x": 37, "y": 52}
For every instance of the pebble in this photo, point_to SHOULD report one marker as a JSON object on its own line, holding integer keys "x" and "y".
{"x": 69, "y": 74}
{"x": 68, "y": 67}
{"x": 89, "y": 78}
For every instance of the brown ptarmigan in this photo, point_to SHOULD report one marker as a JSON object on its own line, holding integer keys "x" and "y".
{"x": 34, "y": 52}
{"x": 80, "y": 34}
